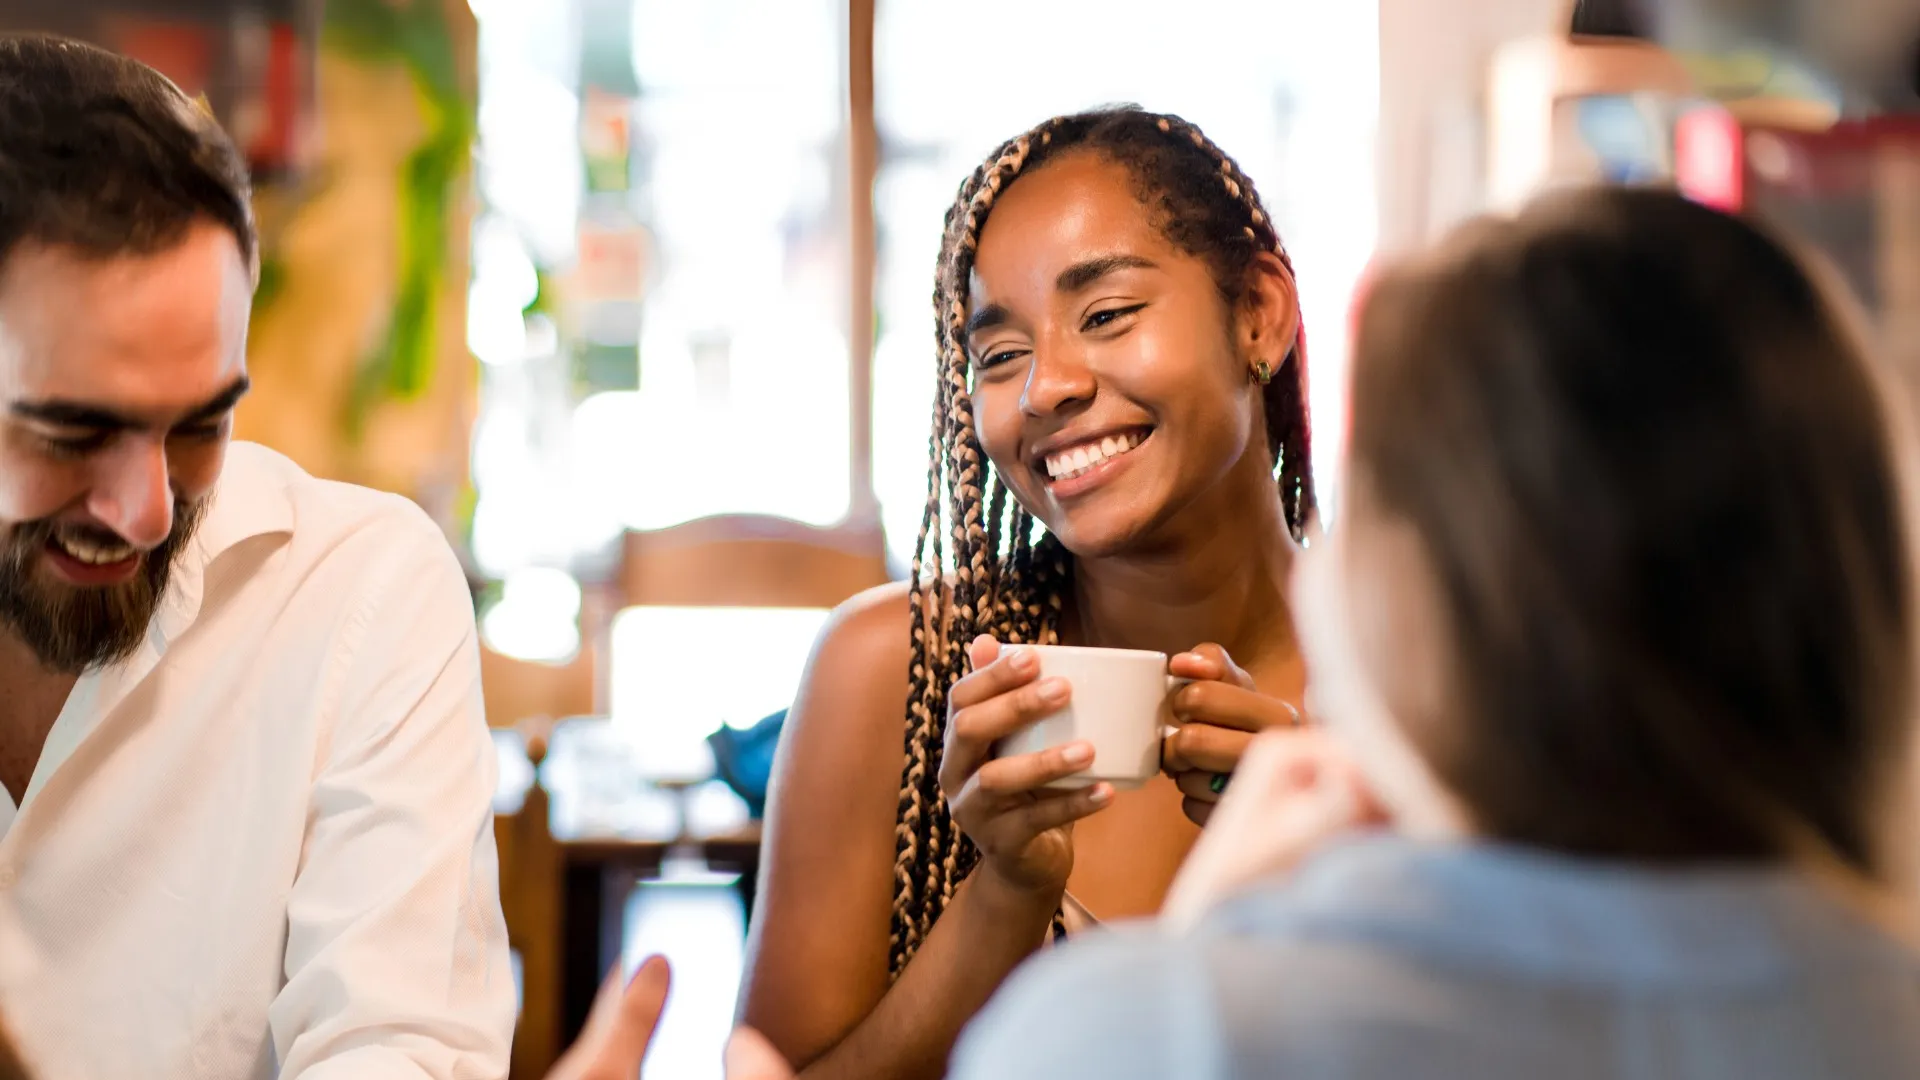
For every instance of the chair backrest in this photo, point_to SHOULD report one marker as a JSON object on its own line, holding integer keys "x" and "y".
{"x": 740, "y": 561}
{"x": 745, "y": 560}
{"x": 726, "y": 564}
{"x": 519, "y": 690}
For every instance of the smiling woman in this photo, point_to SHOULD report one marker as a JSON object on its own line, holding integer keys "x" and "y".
{"x": 1119, "y": 459}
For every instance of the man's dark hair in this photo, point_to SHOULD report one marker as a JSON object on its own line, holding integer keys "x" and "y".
{"x": 104, "y": 154}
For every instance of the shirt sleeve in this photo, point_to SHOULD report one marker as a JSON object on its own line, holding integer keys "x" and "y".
{"x": 1127, "y": 1003}
{"x": 396, "y": 957}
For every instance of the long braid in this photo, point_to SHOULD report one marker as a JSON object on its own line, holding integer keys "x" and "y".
{"x": 931, "y": 856}
{"x": 1003, "y": 576}
{"x": 925, "y": 615}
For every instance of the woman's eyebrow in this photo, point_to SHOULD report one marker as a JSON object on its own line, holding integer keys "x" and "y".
{"x": 1082, "y": 274}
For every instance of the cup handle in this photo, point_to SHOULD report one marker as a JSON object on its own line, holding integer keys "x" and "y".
{"x": 1174, "y": 683}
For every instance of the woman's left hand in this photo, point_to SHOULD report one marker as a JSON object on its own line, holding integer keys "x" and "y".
{"x": 1219, "y": 713}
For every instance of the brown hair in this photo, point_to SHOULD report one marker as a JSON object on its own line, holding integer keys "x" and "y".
{"x": 1006, "y": 577}
{"x": 104, "y": 154}
{"x": 1655, "y": 485}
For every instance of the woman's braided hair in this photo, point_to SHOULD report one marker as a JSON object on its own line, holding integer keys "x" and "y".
{"x": 1004, "y": 576}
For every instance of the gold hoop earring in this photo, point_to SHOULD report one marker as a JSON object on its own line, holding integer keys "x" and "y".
{"x": 1263, "y": 373}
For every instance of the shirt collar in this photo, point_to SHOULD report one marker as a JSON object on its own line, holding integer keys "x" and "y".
{"x": 250, "y": 499}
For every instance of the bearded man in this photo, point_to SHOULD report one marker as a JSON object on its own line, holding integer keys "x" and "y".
{"x": 246, "y": 810}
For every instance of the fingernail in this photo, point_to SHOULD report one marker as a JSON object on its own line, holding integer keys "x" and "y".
{"x": 651, "y": 963}
{"x": 1078, "y": 753}
{"x": 1055, "y": 690}
{"x": 1019, "y": 659}
{"x": 1101, "y": 793}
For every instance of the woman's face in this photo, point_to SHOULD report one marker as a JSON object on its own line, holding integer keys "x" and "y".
{"x": 1110, "y": 377}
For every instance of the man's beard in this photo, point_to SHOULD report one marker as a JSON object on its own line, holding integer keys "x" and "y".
{"x": 75, "y": 628}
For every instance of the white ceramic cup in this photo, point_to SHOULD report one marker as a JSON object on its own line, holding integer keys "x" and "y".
{"x": 1119, "y": 705}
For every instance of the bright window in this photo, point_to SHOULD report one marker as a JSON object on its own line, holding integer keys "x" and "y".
{"x": 679, "y": 673}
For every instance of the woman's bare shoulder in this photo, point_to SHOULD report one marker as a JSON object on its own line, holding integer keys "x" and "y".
{"x": 859, "y": 663}
{"x": 872, "y": 625}
{"x": 844, "y": 737}
{"x": 817, "y": 958}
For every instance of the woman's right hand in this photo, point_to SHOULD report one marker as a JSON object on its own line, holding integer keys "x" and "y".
{"x": 1023, "y": 830}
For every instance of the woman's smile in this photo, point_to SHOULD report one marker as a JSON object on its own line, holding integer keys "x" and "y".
{"x": 1075, "y": 465}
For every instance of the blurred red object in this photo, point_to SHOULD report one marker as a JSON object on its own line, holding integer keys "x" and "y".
{"x": 1851, "y": 189}
{"x": 254, "y": 70}
{"x": 1708, "y": 160}
{"x": 183, "y": 52}
{"x": 251, "y": 61}
{"x": 276, "y": 137}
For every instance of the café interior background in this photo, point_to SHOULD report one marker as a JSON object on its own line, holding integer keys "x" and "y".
{"x": 632, "y": 296}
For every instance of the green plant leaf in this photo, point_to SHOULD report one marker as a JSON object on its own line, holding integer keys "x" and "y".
{"x": 415, "y": 34}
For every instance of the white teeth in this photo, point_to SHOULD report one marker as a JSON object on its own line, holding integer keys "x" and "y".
{"x": 91, "y": 554}
{"x": 1069, "y": 463}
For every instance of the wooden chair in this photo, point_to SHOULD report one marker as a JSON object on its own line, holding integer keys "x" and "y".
{"x": 558, "y": 893}
{"x": 518, "y": 690}
{"x": 750, "y": 561}
{"x": 530, "y": 869}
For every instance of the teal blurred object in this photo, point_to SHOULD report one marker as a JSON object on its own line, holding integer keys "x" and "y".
{"x": 1624, "y": 137}
{"x": 743, "y": 759}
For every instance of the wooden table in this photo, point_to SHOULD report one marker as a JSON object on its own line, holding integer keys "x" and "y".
{"x": 565, "y": 900}
{"x": 597, "y": 878}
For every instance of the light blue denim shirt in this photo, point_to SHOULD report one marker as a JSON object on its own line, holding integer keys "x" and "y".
{"x": 1384, "y": 957}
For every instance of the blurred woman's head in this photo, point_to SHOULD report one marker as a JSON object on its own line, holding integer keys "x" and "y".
{"x": 1624, "y": 544}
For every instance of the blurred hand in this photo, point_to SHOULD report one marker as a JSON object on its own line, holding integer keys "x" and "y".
{"x": 1219, "y": 712}
{"x": 620, "y": 1027}
{"x": 1293, "y": 791}
{"x": 614, "y": 1042}
{"x": 1023, "y": 830}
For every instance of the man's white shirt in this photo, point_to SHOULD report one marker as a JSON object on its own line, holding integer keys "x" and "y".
{"x": 264, "y": 845}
